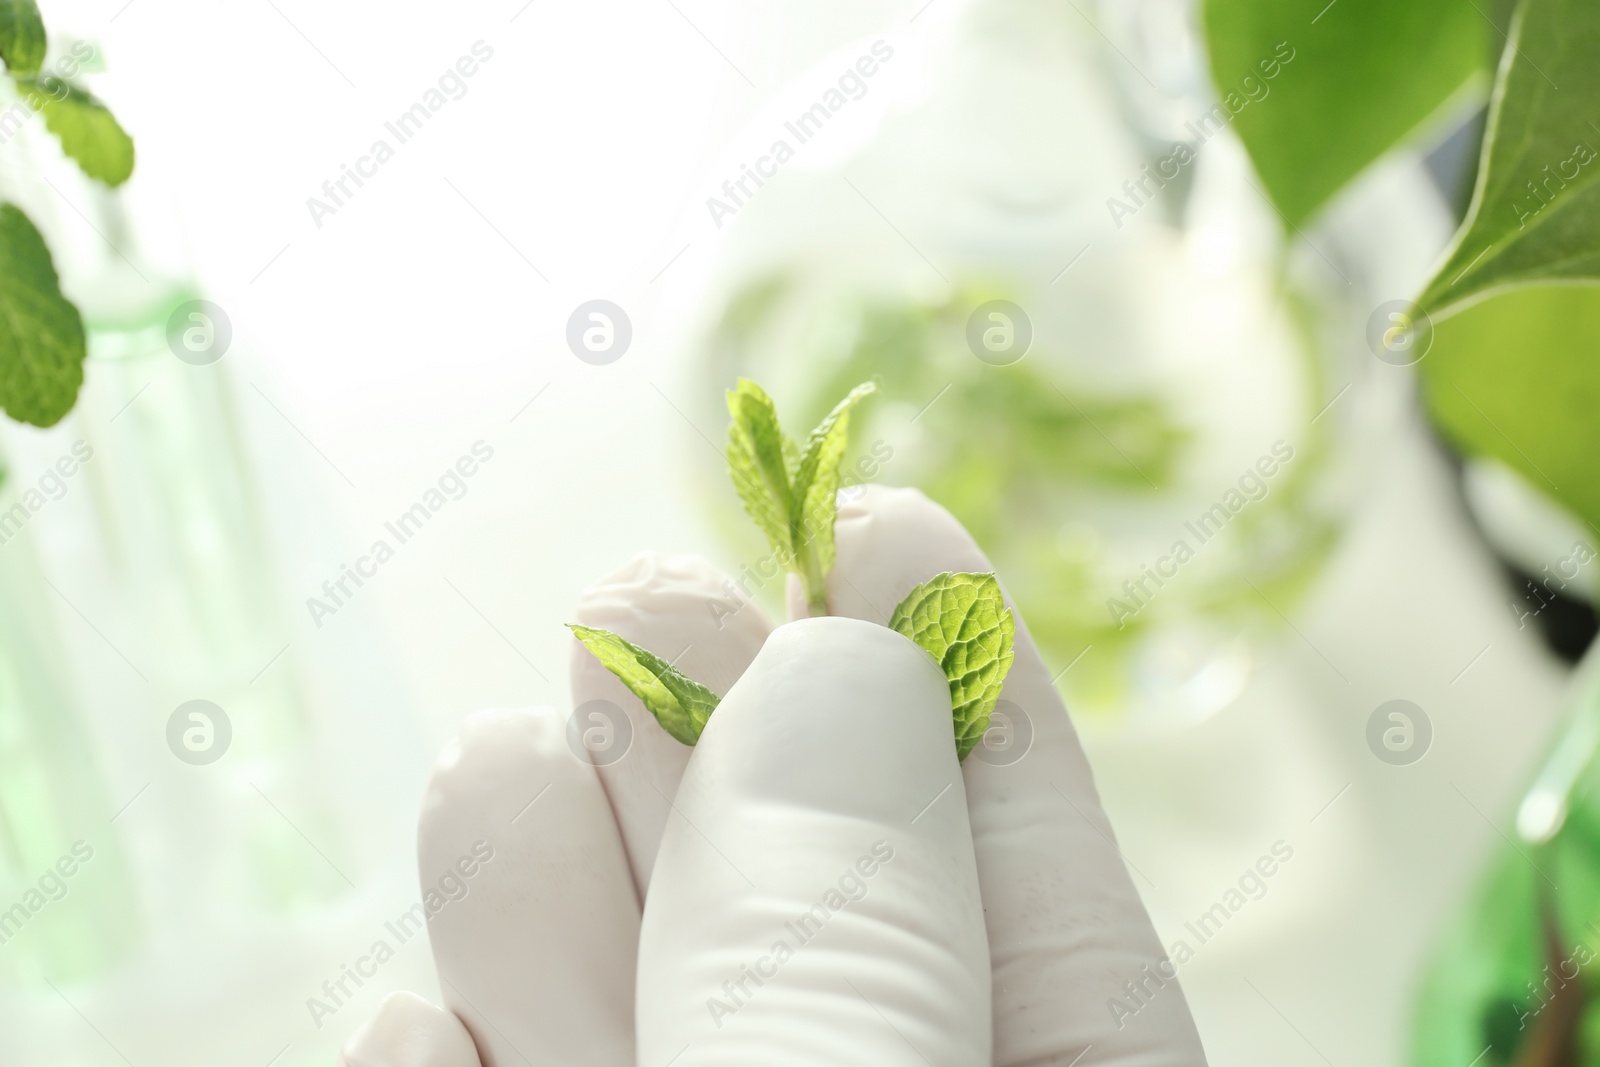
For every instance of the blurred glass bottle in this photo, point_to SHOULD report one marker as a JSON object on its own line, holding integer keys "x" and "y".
{"x": 173, "y": 543}
{"x": 68, "y": 909}
{"x": 1094, "y": 349}
{"x": 69, "y": 906}
{"x": 1513, "y": 979}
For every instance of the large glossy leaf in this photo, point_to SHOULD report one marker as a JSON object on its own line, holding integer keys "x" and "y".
{"x": 1535, "y": 214}
{"x": 1318, "y": 90}
{"x": 1517, "y": 377}
{"x": 41, "y": 334}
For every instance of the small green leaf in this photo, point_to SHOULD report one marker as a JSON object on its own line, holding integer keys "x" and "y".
{"x": 816, "y": 489}
{"x": 791, "y": 495}
{"x": 1318, "y": 90}
{"x": 1535, "y": 213}
{"x": 22, "y": 40}
{"x": 963, "y": 622}
{"x": 758, "y": 466}
{"x": 87, "y": 130}
{"x": 681, "y": 706}
{"x": 41, "y": 333}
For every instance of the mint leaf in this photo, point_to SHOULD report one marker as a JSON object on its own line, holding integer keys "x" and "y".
{"x": 816, "y": 491}
{"x": 22, "y": 41}
{"x": 1535, "y": 212}
{"x": 1317, "y": 91}
{"x": 962, "y": 621}
{"x": 681, "y": 706}
{"x": 790, "y": 494}
{"x": 759, "y": 466}
{"x": 87, "y": 130}
{"x": 41, "y": 333}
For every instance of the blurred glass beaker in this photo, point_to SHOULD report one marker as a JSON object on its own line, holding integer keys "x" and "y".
{"x": 1115, "y": 382}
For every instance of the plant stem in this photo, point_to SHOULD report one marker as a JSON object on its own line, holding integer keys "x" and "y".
{"x": 814, "y": 583}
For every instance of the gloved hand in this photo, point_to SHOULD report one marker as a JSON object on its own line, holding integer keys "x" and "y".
{"x": 816, "y": 881}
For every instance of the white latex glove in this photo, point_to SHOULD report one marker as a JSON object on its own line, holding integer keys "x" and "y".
{"x": 958, "y": 914}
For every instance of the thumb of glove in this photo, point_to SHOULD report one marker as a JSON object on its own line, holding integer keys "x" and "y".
{"x": 815, "y": 898}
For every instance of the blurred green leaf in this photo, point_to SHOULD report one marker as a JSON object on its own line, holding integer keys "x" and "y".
{"x": 1033, "y": 458}
{"x": 1359, "y": 76}
{"x": 41, "y": 334}
{"x": 22, "y": 40}
{"x": 87, "y": 130}
{"x": 1019, "y": 425}
{"x": 1535, "y": 214}
{"x": 1516, "y": 377}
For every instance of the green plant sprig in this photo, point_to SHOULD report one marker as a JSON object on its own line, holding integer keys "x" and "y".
{"x": 42, "y": 342}
{"x": 960, "y": 619}
{"x": 789, "y": 493}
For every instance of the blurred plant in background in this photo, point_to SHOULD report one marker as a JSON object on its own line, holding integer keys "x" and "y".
{"x": 1509, "y": 378}
{"x": 1049, "y": 475}
{"x": 1512, "y": 982}
{"x": 41, "y": 333}
{"x": 1168, "y": 342}
{"x": 1218, "y": 305}
{"x": 1064, "y": 461}
{"x": 50, "y": 793}
{"x": 1507, "y": 369}
{"x": 168, "y": 553}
